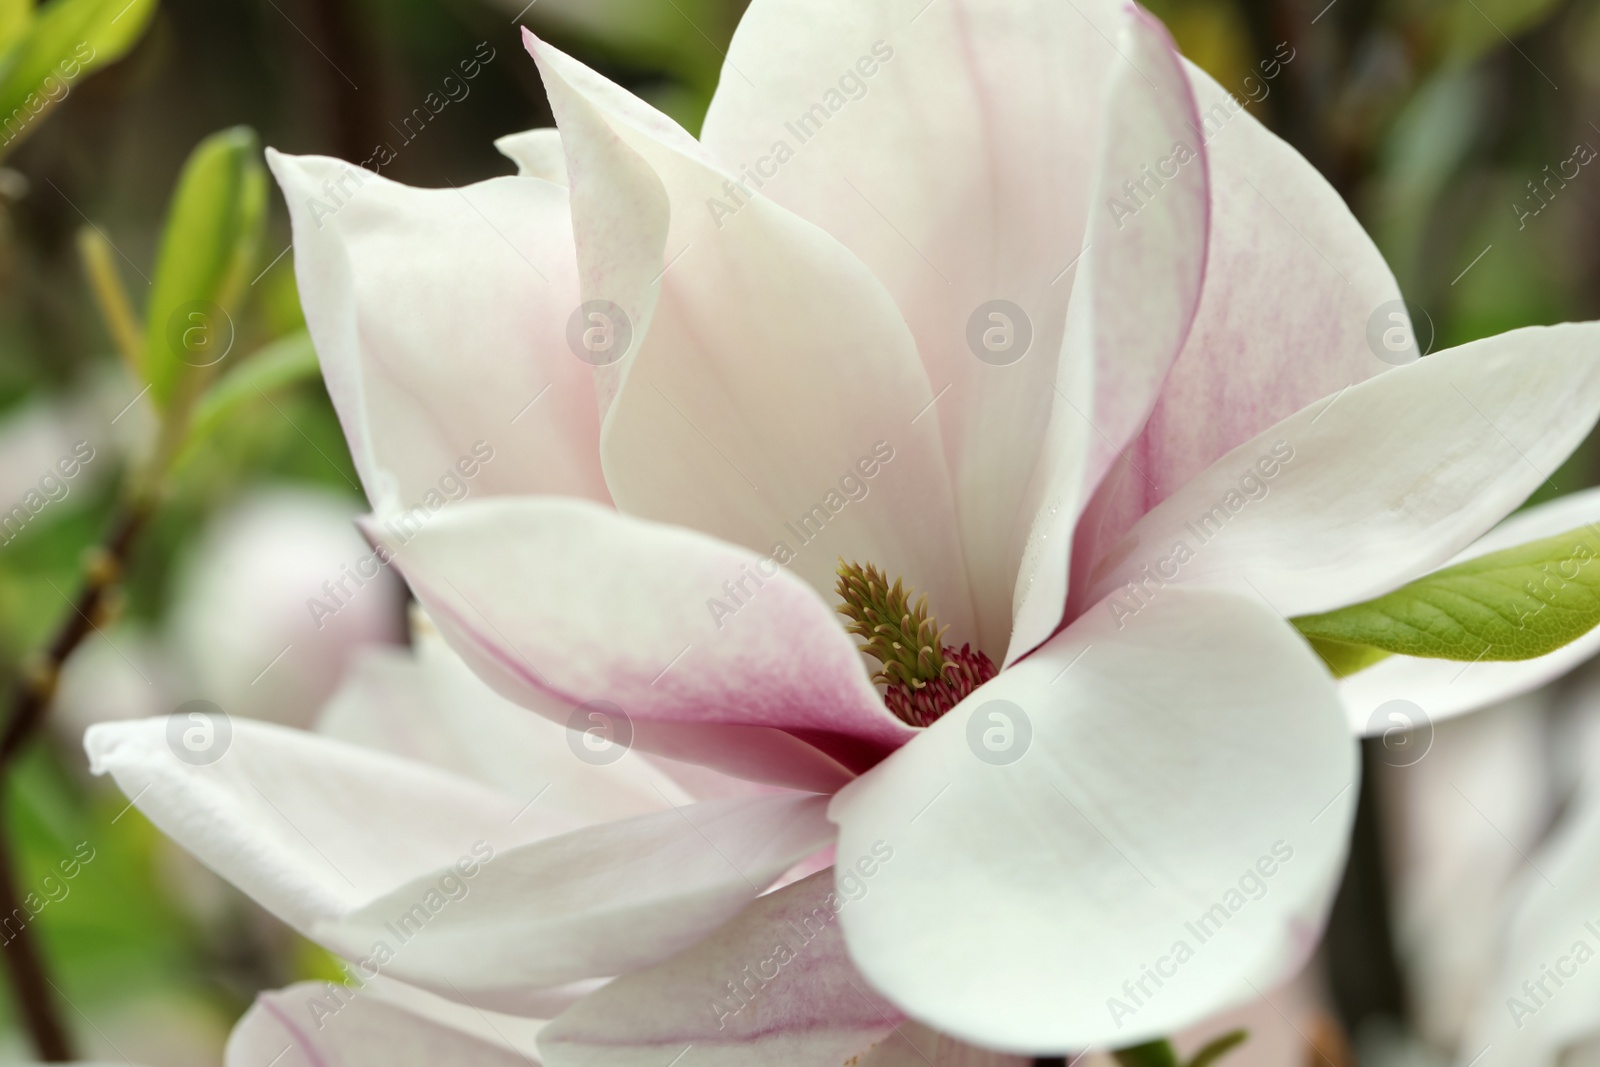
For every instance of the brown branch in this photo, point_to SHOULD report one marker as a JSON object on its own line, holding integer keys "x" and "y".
{"x": 30, "y": 700}
{"x": 26, "y": 970}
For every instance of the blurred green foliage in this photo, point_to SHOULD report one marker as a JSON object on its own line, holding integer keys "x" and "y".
{"x": 1430, "y": 116}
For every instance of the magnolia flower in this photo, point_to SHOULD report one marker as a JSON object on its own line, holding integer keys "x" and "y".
{"x": 1000, "y": 303}
{"x": 424, "y": 730}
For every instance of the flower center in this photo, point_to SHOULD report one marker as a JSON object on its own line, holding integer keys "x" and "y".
{"x": 923, "y": 677}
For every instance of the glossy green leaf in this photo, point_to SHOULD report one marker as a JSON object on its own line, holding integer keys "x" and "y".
{"x": 1345, "y": 659}
{"x": 212, "y": 234}
{"x": 56, "y": 47}
{"x": 1515, "y": 604}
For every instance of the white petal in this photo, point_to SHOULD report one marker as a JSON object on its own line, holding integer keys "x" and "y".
{"x": 440, "y": 317}
{"x": 773, "y": 987}
{"x": 961, "y": 172}
{"x": 428, "y": 706}
{"x": 1443, "y": 688}
{"x": 551, "y": 596}
{"x": 307, "y": 826}
{"x": 472, "y": 892}
{"x": 776, "y": 392}
{"x": 804, "y": 1004}
{"x": 537, "y": 154}
{"x": 312, "y": 1024}
{"x": 1373, "y": 486}
{"x": 1167, "y": 763}
{"x": 607, "y": 900}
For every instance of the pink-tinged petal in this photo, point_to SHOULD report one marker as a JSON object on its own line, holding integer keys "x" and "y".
{"x": 1140, "y": 277}
{"x": 1185, "y": 779}
{"x": 425, "y": 704}
{"x": 315, "y": 1024}
{"x": 952, "y": 148}
{"x": 915, "y": 1045}
{"x": 1443, "y": 688}
{"x": 1138, "y": 282}
{"x": 1292, "y": 282}
{"x": 606, "y": 900}
{"x": 440, "y": 318}
{"x": 772, "y": 393}
{"x": 472, "y": 893}
{"x": 773, "y": 987}
{"x": 1373, "y": 485}
{"x": 548, "y": 596}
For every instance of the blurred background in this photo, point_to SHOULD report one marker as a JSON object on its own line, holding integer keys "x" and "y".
{"x": 1440, "y": 121}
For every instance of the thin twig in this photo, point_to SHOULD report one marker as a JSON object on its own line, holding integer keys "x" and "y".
{"x": 30, "y": 700}
{"x": 30, "y": 697}
{"x": 26, "y": 969}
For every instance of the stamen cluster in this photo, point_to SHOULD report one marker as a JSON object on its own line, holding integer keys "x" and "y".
{"x": 923, "y": 677}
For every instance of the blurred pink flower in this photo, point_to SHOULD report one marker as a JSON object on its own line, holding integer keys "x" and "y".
{"x": 242, "y": 632}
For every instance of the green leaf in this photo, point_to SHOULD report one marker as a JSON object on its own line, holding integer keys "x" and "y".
{"x": 1346, "y": 659}
{"x": 212, "y": 233}
{"x": 1149, "y": 1054}
{"x": 57, "y": 46}
{"x": 1219, "y": 1047}
{"x": 1515, "y": 604}
{"x": 283, "y": 362}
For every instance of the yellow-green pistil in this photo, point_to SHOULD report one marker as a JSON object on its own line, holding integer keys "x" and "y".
{"x": 922, "y": 676}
